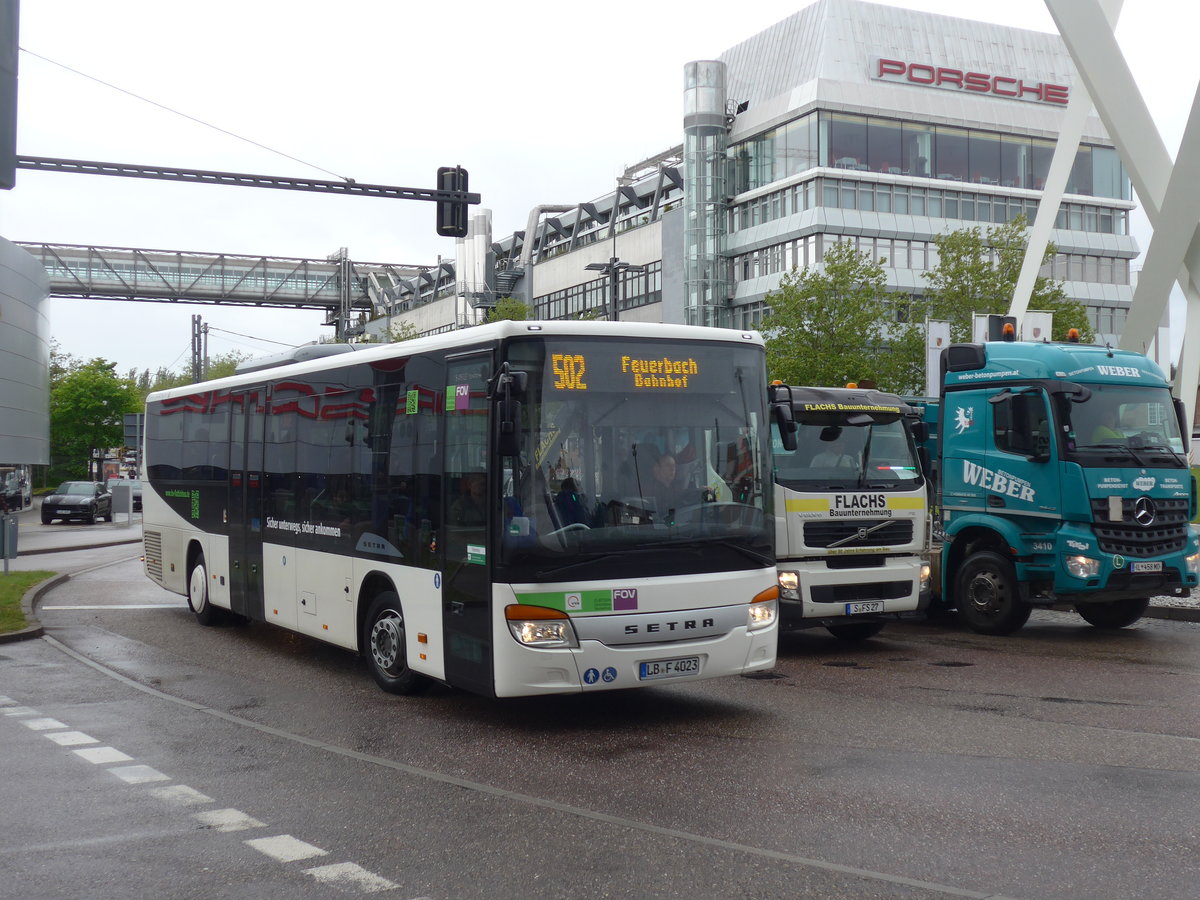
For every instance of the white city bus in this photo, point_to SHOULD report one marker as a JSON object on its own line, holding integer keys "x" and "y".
{"x": 489, "y": 508}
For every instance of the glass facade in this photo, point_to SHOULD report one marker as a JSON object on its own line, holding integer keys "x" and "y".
{"x": 895, "y": 147}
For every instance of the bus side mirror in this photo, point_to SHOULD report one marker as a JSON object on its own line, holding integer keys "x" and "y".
{"x": 508, "y": 423}
{"x": 920, "y": 432}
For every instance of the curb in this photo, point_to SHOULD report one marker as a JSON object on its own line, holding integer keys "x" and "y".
{"x": 1174, "y": 613}
{"x": 101, "y": 545}
{"x": 28, "y": 602}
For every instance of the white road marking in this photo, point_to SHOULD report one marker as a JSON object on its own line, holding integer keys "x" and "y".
{"x": 227, "y": 820}
{"x": 43, "y": 724}
{"x": 286, "y": 848}
{"x": 139, "y": 774}
{"x": 70, "y": 738}
{"x": 282, "y": 848}
{"x": 181, "y": 795}
{"x": 100, "y": 755}
{"x": 351, "y": 877}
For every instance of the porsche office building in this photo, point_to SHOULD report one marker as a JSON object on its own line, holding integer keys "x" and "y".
{"x": 845, "y": 121}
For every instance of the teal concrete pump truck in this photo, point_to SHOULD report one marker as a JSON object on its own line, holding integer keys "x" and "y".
{"x": 1061, "y": 477}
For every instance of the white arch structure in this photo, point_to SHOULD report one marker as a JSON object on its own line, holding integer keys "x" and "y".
{"x": 1169, "y": 193}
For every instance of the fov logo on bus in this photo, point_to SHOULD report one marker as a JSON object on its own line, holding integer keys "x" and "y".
{"x": 618, "y": 599}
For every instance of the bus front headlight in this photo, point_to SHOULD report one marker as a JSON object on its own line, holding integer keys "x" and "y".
{"x": 1083, "y": 566}
{"x": 926, "y": 577}
{"x": 764, "y": 609}
{"x": 540, "y": 626}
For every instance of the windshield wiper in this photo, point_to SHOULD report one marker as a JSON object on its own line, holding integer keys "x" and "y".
{"x": 1160, "y": 448}
{"x": 703, "y": 543}
{"x": 542, "y": 574}
{"x": 1129, "y": 451}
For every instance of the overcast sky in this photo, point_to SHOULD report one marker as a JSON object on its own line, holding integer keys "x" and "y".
{"x": 541, "y": 102}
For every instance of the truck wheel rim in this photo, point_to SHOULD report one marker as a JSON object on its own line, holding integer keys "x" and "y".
{"x": 985, "y": 592}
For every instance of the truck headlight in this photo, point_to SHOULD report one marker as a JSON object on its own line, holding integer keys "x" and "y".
{"x": 789, "y": 585}
{"x": 1083, "y": 566}
{"x": 926, "y": 577}
{"x": 764, "y": 609}
{"x": 1193, "y": 564}
{"x": 539, "y": 626}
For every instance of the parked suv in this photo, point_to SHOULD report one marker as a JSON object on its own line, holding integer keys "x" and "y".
{"x": 86, "y": 500}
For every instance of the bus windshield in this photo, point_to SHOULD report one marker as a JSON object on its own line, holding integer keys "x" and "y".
{"x": 1126, "y": 420}
{"x": 649, "y": 449}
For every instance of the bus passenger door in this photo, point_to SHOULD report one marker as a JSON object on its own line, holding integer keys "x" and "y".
{"x": 248, "y": 410}
{"x": 467, "y": 516}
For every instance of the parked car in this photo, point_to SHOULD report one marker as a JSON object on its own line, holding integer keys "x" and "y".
{"x": 134, "y": 484}
{"x": 86, "y": 500}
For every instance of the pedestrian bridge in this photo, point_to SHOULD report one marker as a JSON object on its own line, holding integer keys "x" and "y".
{"x": 336, "y": 284}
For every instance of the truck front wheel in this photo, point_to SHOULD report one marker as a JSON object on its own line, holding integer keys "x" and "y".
{"x": 987, "y": 596}
{"x": 1114, "y": 614}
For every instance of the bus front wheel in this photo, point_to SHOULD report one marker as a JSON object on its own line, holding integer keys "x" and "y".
{"x": 384, "y": 646}
{"x": 198, "y": 600}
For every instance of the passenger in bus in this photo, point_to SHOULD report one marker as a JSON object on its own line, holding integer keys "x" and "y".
{"x": 469, "y": 507}
{"x": 664, "y": 490}
{"x": 570, "y": 506}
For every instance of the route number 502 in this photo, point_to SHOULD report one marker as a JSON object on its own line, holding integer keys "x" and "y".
{"x": 568, "y": 370}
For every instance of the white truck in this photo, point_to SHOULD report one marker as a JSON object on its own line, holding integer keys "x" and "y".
{"x": 851, "y": 507}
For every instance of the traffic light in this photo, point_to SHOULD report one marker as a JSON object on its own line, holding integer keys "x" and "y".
{"x": 452, "y": 214}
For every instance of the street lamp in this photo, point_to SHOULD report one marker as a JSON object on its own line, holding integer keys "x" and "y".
{"x": 614, "y": 267}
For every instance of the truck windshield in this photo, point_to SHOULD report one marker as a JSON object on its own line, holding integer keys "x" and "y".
{"x": 878, "y": 456}
{"x": 1137, "y": 422}
{"x": 653, "y": 452}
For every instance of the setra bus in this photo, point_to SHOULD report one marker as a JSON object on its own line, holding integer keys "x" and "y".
{"x": 513, "y": 509}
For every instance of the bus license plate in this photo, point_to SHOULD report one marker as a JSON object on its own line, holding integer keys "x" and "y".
{"x": 1147, "y": 566}
{"x": 866, "y": 606}
{"x": 665, "y": 668}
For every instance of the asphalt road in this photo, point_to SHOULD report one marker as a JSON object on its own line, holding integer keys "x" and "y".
{"x": 1060, "y": 762}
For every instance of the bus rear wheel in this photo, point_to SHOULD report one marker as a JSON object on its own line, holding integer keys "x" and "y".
{"x": 383, "y": 644}
{"x": 198, "y": 600}
{"x": 988, "y": 598}
{"x": 1114, "y": 614}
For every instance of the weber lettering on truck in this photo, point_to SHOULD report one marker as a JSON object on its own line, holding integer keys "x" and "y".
{"x": 1060, "y": 477}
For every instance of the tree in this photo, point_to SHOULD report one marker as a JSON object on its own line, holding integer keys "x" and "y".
{"x": 87, "y": 405}
{"x": 507, "y": 308}
{"x": 977, "y": 272}
{"x": 829, "y": 326}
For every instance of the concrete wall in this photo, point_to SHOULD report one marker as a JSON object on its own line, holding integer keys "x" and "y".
{"x": 24, "y": 358}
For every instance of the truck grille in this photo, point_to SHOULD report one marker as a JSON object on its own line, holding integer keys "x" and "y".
{"x": 824, "y": 534}
{"x": 152, "y": 543}
{"x": 1167, "y": 534}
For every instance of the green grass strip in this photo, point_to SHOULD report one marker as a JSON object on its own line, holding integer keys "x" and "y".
{"x": 12, "y": 588}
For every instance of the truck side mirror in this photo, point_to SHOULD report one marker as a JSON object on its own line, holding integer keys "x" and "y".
{"x": 782, "y": 412}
